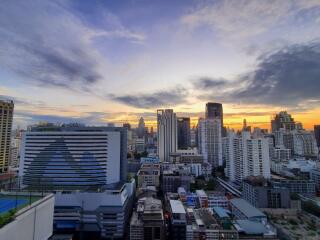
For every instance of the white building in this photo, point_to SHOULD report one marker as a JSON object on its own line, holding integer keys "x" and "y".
{"x": 73, "y": 158}
{"x": 246, "y": 156}
{"x": 305, "y": 144}
{"x": 167, "y": 133}
{"x": 210, "y": 141}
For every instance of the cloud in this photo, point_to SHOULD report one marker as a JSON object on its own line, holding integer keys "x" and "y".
{"x": 207, "y": 82}
{"x": 287, "y": 77}
{"x": 46, "y": 43}
{"x": 162, "y": 98}
{"x": 240, "y": 19}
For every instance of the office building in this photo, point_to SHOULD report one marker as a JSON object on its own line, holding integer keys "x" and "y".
{"x": 261, "y": 194}
{"x": 246, "y": 156}
{"x": 141, "y": 130}
{"x": 104, "y": 214}
{"x": 214, "y": 111}
{"x": 210, "y": 141}
{"x": 6, "y": 115}
{"x": 167, "y": 133}
{"x": 303, "y": 187}
{"x": 147, "y": 222}
{"x": 73, "y": 157}
{"x": 283, "y": 120}
{"x": 184, "y": 138}
{"x": 317, "y": 134}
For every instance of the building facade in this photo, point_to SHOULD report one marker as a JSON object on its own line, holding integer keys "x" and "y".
{"x": 210, "y": 141}
{"x": 246, "y": 156}
{"x": 71, "y": 158}
{"x": 104, "y": 213}
{"x": 184, "y": 138}
{"x": 167, "y": 133}
{"x": 317, "y": 134}
{"x": 6, "y": 116}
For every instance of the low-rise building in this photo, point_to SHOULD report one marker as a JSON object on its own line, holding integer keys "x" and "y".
{"x": 202, "y": 198}
{"x": 241, "y": 209}
{"x": 205, "y": 226}
{"x": 147, "y": 222}
{"x": 173, "y": 179}
{"x": 178, "y": 220}
{"x": 104, "y": 213}
{"x": 217, "y": 199}
{"x": 149, "y": 175}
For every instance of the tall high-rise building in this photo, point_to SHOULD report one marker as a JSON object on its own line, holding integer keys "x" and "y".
{"x": 6, "y": 115}
{"x": 215, "y": 111}
{"x": 167, "y": 133}
{"x": 73, "y": 157}
{"x": 283, "y": 120}
{"x": 184, "y": 138}
{"x": 141, "y": 131}
{"x": 246, "y": 156}
{"x": 210, "y": 141}
{"x": 317, "y": 134}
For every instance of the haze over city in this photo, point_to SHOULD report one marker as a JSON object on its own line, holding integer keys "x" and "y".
{"x": 114, "y": 61}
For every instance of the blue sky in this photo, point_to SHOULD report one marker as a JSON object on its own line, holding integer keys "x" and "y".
{"x": 114, "y": 61}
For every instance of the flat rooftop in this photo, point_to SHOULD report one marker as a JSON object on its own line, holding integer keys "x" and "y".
{"x": 177, "y": 207}
{"x": 246, "y": 208}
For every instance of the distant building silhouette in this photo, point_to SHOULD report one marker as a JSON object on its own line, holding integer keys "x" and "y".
{"x": 184, "y": 138}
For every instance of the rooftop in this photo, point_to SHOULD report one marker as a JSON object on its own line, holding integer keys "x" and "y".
{"x": 250, "y": 227}
{"x": 177, "y": 207}
{"x": 246, "y": 208}
{"x": 221, "y": 212}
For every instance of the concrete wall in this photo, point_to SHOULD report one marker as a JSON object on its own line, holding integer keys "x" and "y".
{"x": 34, "y": 222}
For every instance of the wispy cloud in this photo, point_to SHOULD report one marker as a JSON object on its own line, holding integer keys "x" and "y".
{"x": 44, "y": 43}
{"x": 240, "y": 19}
{"x": 164, "y": 98}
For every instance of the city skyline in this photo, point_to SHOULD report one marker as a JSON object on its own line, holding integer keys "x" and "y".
{"x": 100, "y": 62}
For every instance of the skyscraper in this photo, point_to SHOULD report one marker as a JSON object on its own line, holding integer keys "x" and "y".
{"x": 215, "y": 111}
{"x": 6, "y": 115}
{"x": 141, "y": 131}
{"x": 210, "y": 141}
{"x": 317, "y": 134}
{"x": 167, "y": 133}
{"x": 184, "y": 138}
{"x": 283, "y": 120}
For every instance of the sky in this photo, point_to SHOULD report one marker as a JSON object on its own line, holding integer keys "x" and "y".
{"x": 98, "y": 61}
